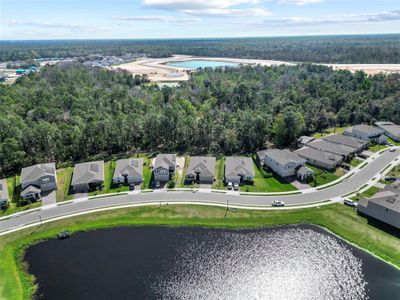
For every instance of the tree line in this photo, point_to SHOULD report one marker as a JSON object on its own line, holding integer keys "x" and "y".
{"x": 318, "y": 49}
{"x": 70, "y": 112}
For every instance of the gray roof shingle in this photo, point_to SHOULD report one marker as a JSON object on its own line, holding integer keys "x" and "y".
{"x": 284, "y": 157}
{"x": 345, "y": 140}
{"x": 33, "y": 173}
{"x": 165, "y": 161}
{"x": 318, "y": 155}
{"x": 331, "y": 147}
{"x": 85, "y": 173}
{"x": 239, "y": 166}
{"x": 128, "y": 167}
{"x": 201, "y": 164}
{"x": 389, "y": 127}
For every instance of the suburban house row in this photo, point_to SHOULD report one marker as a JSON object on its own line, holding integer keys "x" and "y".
{"x": 327, "y": 152}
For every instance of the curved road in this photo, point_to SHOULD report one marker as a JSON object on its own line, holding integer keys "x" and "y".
{"x": 351, "y": 184}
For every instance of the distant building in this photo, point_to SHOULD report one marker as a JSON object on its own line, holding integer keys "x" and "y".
{"x": 164, "y": 167}
{"x": 286, "y": 163}
{"x": 319, "y": 158}
{"x": 201, "y": 169}
{"x": 345, "y": 140}
{"x": 128, "y": 171}
{"x": 88, "y": 176}
{"x": 239, "y": 169}
{"x": 3, "y": 193}
{"x": 37, "y": 179}
{"x": 383, "y": 206}
{"x": 391, "y": 130}
{"x": 366, "y": 133}
{"x": 20, "y": 71}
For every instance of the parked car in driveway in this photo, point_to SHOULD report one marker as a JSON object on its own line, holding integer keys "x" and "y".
{"x": 236, "y": 186}
{"x": 132, "y": 187}
{"x": 230, "y": 185}
{"x": 277, "y": 203}
{"x": 158, "y": 184}
{"x": 392, "y": 150}
{"x": 350, "y": 203}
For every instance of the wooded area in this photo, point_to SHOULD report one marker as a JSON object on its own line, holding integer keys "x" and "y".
{"x": 69, "y": 112}
{"x": 322, "y": 49}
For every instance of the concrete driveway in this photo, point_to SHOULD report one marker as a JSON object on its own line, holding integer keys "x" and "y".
{"x": 49, "y": 198}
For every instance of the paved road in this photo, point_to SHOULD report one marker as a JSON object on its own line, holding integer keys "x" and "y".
{"x": 351, "y": 184}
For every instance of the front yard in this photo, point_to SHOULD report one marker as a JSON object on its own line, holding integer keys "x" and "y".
{"x": 367, "y": 194}
{"x": 322, "y": 176}
{"x": 265, "y": 181}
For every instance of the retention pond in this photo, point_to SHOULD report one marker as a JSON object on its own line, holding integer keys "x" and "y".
{"x": 291, "y": 262}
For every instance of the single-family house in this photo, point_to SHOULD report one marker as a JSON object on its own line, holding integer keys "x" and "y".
{"x": 3, "y": 193}
{"x": 286, "y": 163}
{"x": 345, "y": 140}
{"x": 366, "y": 133}
{"x": 328, "y": 147}
{"x": 38, "y": 179}
{"x": 201, "y": 169}
{"x": 239, "y": 169}
{"x": 88, "y": 176}
{"x": 128, "y": 171}
{"x": 383, "y": 206}
{"x": 391, "y": 130}
{"x": 320, "y": 158}
{"x": 164, "y": 166}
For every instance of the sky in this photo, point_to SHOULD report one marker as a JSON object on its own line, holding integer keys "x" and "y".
{"x": 152, "y": 19}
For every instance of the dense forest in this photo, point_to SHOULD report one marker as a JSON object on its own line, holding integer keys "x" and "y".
{"x": 322, "y": 49}
{"x": 69, "y": 112}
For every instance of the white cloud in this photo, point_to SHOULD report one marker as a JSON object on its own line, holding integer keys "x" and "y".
{"x": 335, "y": 19}
{"x": 166, "y": 19}
{"x": 300, "y": 2}
{"x": 17, "y": 23}
{"x": 210, "y": 8}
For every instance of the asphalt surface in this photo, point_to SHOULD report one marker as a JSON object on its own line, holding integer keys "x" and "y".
{"x": 347, "y": 186}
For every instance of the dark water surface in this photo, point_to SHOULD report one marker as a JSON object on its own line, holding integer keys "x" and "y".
{"x": 295, "y": 262}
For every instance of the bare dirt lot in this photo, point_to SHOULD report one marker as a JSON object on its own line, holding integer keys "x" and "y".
{"x": 158, "y": 71}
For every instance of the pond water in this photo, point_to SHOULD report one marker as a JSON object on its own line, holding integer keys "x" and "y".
{"x": 200, "y": 63}
{"x": 294, "y": 262}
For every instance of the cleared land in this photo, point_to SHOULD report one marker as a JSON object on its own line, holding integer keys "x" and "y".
{"x": 341, "y": 220}
{"x": 157, "y": 69}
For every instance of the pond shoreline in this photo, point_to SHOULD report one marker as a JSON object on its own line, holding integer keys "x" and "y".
{"x": 13, "y": 248}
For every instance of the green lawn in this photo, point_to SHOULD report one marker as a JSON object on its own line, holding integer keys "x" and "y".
{"x": 15, "y": 284}
{"x": 329, "y": 131}
{"x": 14, "y": 191}
{"x": 147, "y": 172}
{"x": 367, "y": 194}
{"x": 376, "y": 147}
{"x": 393, "y": 141}
{"x": 64, "y": 177}
{"x": 220, "y": 173}
{"x": 355, "y": 162}
{"x": 322, "y": 176}
{"x": 266, "y": 182}
{"x": 394, "y": 172}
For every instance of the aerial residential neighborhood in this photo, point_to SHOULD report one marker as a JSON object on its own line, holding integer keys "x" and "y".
{"x": 314, "y": 163}
{"x": 186, "y": 149}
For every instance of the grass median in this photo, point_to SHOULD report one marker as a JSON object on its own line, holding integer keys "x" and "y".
{"x": 341, "y": 220}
